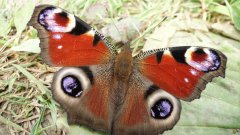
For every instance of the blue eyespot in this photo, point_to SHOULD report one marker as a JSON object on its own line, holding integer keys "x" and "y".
{"x": 216, "y": 62}
{"x": 162, "y": 109}
{"x": 71, "y": 86}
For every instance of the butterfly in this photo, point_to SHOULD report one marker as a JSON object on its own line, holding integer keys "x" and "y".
{"x": 116, "y": 92}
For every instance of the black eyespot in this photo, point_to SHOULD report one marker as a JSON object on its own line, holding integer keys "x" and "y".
{"x": 199, "y": 51}
{"x": 71, "y": 86}
{"x": 161, "y": 109}
{"x": 63, "y": 14}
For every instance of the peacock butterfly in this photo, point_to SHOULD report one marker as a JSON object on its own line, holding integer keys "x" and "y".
{"x": 115, "y": 92}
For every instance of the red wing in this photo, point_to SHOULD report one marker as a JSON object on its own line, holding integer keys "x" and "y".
{"x": 83, "y": 92}
{"x": 146, "y": 110}
{"x": 182, "y": 71}
{"x": 67, "y": 40}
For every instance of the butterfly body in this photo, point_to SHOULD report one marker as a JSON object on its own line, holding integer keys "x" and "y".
{"x": 123, "y": 65}
{"x": 115, "y": 92}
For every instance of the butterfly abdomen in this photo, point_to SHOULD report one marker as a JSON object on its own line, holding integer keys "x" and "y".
{"x": 123, "y": 66}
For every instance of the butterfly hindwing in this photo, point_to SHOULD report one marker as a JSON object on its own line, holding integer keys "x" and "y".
{"x": 66, "y": 40}
{"x": 83, "y": 92}
{"x": 146, "y": 109}
{"x": 182, "y": 71}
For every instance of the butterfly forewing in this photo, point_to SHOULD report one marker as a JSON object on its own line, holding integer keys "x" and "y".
{"x": 182, "y": 71}
{"x": 66, "y": 40}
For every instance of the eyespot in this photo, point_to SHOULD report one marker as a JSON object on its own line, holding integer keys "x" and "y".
{"x": 56, "y": 20}
{"x": 161, "y": 109}
{"x": 164, "y": 109}
{"x": 71, "y": 86}
{"x": 203, "y": 59}
{"x": 71, "y": 82}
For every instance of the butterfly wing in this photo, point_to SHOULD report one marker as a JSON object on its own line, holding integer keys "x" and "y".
{"x": 66, "y": 40}
{"x": 146, "y": 109}
{"x": 83, "y": 92}
{"x": 182, "y": 71}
